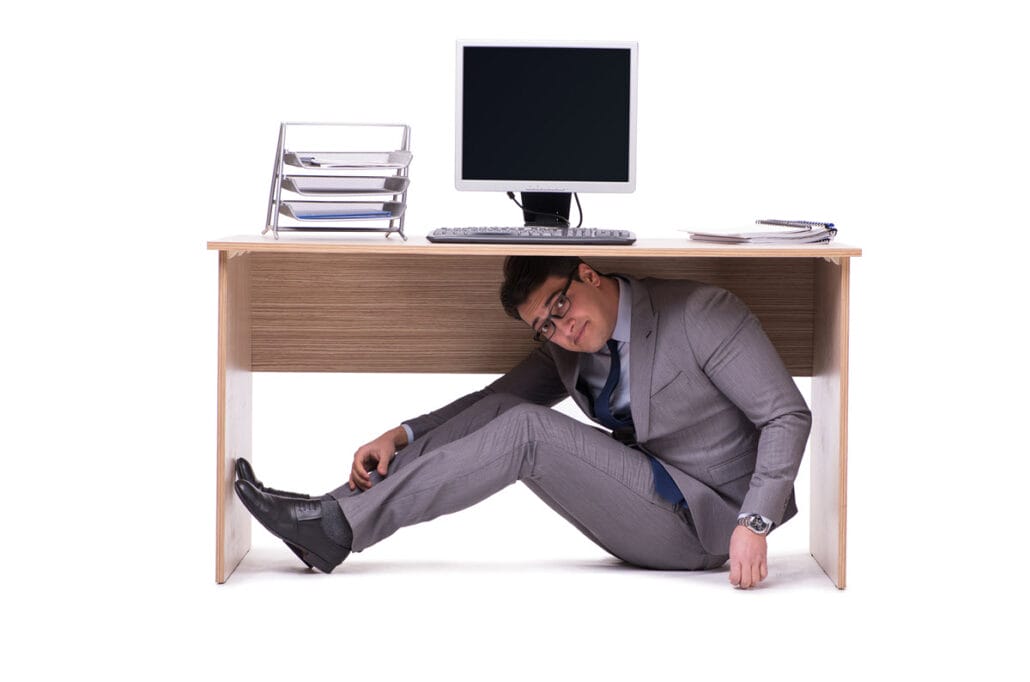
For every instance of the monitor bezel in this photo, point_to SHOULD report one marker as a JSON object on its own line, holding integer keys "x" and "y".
{"x": 460, "y": 183}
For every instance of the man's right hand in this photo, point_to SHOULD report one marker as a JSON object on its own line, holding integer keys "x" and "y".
{"x": 375, "y": 455}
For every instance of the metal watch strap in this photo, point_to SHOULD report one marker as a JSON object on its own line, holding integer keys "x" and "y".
{"x": 755, "y": 523}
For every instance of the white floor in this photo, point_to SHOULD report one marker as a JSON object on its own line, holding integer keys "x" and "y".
{"x": 109, "y": 569}
{"x": 509, "y": 590}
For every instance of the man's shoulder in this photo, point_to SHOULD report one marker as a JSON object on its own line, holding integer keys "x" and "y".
{"x": 689, "y": 296}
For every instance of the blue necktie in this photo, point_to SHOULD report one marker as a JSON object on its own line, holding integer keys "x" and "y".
{"x": 663, "y": 483}
{"x": 602, "y": 406}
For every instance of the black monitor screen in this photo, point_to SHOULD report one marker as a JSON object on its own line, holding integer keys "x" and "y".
{"x": 546, "y": 113}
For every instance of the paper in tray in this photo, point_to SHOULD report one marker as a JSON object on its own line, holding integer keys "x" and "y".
{"x": 323, "y": 184}
{"x": 348, "y": 160}
{"x": 341, "y": 210}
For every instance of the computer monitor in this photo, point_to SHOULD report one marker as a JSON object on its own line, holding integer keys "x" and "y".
{"x": 546, "y": 119}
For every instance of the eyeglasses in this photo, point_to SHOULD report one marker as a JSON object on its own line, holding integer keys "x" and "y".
{"x": 558, "y": 309}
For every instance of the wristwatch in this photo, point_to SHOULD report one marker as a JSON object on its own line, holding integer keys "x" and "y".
{"x": 754, "y": 523}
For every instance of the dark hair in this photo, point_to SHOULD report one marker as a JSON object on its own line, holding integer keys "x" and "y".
{"x": 523, "y": 274}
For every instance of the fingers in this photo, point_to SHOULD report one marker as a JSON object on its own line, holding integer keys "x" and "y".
{"x": 735, "y": 573}
{"x": 748, "y": 565}
{"x": 374, "y": 456}
{"x": 359, "y": 477}
{"x": 746, "y": 575}
{"x": 756, "y": 574}
{"x": 742, "y": 575}
{"x": 384, "y": 465}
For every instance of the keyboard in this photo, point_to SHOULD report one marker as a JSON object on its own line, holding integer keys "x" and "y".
{"x": 529, "y": 235}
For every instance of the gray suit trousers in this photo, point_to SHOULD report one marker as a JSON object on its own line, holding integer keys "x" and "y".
{"x": 603, "y": 488}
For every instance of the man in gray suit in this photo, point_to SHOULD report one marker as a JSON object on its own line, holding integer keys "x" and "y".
{"x": 706, "y": 432}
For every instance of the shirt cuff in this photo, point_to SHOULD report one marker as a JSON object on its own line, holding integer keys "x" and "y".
{"x": 407, "y": 430}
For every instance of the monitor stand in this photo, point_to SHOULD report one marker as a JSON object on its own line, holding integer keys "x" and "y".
{"x": 539, "y": 208}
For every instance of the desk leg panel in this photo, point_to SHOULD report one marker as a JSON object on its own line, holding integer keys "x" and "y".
{"x": 829, "y": 443}
{"x": 235, "y": 393}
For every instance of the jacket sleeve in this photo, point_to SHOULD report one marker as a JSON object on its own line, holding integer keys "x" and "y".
{"x": 734, "y": 352}
{"x": 535, "y": 380}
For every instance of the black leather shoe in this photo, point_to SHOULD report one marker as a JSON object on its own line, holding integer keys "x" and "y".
{"x": 298, "y": 523}
{"x": 245, "y": 472}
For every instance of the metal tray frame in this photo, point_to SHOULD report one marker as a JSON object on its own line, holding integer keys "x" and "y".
{"x": 387, "y": 164}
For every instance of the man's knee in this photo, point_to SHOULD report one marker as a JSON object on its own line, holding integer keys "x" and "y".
{"x": 525, "y": 413}
{"x": 542, "y": 423}
{"x": 513, "y": 409}
{"x": 499, "y": 403}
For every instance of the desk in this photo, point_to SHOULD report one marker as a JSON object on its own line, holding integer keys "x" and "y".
{"x": 313, "y": 304}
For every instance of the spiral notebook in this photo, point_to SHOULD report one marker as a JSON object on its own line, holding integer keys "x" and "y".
{"x": 781, "y": 232}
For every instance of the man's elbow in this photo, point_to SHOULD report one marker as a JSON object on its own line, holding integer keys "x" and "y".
{"x": 804, "y": 416}
{"x": 797, "y": 422}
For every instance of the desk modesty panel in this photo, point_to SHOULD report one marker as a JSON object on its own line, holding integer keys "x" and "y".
{"x": 346, "y": 307}
{"x": 368, "y": 304}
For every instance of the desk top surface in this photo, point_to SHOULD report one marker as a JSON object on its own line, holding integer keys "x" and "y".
{"x": 644, "y": 248}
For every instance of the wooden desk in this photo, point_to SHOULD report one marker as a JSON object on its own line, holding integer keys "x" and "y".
{"x": 368, "y": 304}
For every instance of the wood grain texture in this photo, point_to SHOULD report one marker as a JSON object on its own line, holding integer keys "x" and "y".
{"x": 232, "y": 535}
{"x": 829, "y": 439}
{"x": 340, "y": 312}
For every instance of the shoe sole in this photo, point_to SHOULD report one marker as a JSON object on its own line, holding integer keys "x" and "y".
{"x": 298, "y": 551}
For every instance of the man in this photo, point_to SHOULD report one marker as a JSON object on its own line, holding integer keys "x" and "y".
{"x": 707, "y": 430}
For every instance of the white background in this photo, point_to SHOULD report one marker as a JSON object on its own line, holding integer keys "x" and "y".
{"x": 135, "y": 132}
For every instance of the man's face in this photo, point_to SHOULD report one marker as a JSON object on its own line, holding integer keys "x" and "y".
{"x": 591, "y": 316}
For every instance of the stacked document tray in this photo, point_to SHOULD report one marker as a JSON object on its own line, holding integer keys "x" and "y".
{"x": 338, "y": 190}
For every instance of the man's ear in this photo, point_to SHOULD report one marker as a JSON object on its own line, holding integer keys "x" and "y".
{"x": 588, "y": 275}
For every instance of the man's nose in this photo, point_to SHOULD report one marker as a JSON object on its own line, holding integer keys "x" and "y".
{"x": 565, "y": 325}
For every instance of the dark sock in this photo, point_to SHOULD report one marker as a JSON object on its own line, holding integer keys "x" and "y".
{"x": 334, "y": 523}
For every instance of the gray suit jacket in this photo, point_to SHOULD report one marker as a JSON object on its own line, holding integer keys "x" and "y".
{"x": 710, "y": 399}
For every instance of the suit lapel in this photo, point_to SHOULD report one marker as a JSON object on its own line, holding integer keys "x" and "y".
{"x": 643, "y": 332}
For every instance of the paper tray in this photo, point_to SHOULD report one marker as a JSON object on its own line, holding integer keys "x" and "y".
{"x": 341, "y": 210}
{"x": 323, "y": 184}
{"x": 348, "y": 160}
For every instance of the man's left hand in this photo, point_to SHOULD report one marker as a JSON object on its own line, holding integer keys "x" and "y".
{"x": 747, "y": 558}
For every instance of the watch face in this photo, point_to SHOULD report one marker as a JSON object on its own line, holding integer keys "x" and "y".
{"x": 756, "y": 523}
